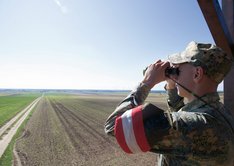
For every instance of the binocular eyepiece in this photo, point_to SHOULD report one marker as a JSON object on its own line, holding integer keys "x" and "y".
{"x": 169, "y": 71}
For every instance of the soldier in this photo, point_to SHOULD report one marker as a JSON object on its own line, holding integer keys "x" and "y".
{"x": 200, "y": 132}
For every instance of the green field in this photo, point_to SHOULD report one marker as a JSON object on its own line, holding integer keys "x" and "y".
{"x": 10, "y": 105}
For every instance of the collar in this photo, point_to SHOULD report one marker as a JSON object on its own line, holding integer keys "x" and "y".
{"x": 197, "y": 103}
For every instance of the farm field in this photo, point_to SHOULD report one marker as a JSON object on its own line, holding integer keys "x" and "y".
{"x": 68, "y": 130}
{"x": 11, "y": 104}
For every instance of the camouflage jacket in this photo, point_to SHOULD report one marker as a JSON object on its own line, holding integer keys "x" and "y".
{"x": 198, "y": 133}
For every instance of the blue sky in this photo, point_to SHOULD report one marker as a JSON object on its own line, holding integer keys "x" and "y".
{"x": 92, "y": 44}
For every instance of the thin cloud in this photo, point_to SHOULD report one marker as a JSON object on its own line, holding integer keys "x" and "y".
{"x": 63, "y": 8}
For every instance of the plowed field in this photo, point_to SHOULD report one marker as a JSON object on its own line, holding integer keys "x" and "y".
{"x": 68, "y": 130}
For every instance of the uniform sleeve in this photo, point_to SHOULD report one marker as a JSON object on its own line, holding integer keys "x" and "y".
{"x": 134, "y": 99}
{"x": 147, "y": 128}
{"x": 174, "y": 101}
{"x": 138, "y": 129}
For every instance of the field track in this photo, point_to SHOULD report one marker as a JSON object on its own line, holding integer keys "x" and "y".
{"x": 69, "y": 131}
{"x": 9, "y": 129}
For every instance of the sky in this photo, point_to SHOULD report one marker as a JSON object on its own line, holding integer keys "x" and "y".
{"x": 92, "y": 44}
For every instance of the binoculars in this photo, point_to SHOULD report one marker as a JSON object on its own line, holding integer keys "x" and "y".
{"x": 169, "y": 71}
{"x": 172, "y": 71}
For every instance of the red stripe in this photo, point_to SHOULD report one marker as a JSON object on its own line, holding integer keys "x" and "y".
{"x": 119, "y": 135}
{"x": 138, "y": 127}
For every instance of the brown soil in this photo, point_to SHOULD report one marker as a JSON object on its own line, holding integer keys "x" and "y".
{"x": 69, "y": 131}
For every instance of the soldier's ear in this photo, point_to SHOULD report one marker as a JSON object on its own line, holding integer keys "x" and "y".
{"x": 198, "y": 74}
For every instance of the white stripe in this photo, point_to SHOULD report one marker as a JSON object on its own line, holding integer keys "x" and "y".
{"x": 129, "y": 133}
{"x": 134, "y": 101}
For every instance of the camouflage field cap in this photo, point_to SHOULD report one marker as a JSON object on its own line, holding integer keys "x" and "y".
{"x": 211, "y": 58}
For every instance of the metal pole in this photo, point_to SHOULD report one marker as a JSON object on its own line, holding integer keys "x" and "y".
{"x": 228, "y": 12}
{"x": 221, "y": 24}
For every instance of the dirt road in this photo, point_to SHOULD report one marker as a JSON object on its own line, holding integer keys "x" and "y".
{"x": 9, "y": 129}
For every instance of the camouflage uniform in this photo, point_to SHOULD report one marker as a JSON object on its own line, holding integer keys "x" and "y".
{"x": 198, "y": 133}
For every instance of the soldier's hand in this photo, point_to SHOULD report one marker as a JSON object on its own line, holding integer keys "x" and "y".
{"x": 155, "y": 73}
